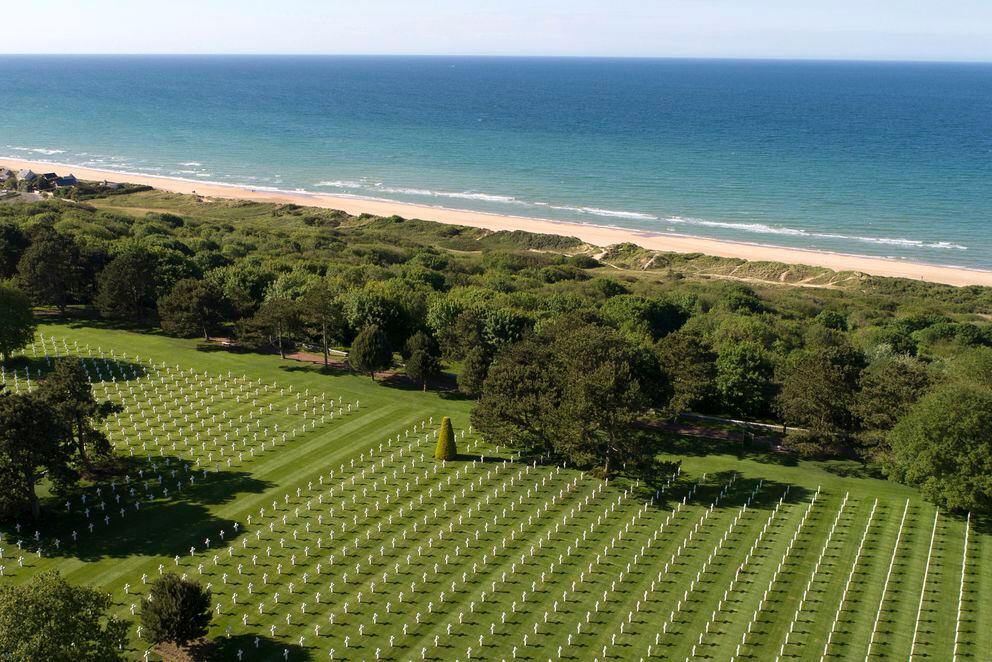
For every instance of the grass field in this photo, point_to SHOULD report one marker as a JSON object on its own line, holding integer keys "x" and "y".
{"x": 345, "y": 539}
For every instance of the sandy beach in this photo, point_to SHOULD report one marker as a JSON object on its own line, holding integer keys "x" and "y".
{"x": 592, "y": 234}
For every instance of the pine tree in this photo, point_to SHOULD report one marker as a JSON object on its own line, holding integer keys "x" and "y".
{"x": 446, "y": 448}
{"x": 370, "y": 351}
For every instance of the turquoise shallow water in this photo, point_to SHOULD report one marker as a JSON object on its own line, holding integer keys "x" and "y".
{"x": 890, "y": 159}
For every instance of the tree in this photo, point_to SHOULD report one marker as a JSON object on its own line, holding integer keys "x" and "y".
{"x": 641, "y": 316}
{"x": 423, "y": 361}
{"x": 574, "y": 392}
{"x": 944, "y": 447}
{"x": 370, "y": 352}
{"x": 50, "y": 619}
{"x": 51, "y": 269}
{"x": 126, "y": 286}
{"x": 518, "y": 396}
{"x": 192, "y": 307}
{"x": 16, "y": 320}
{"x": 279, "y": 319}
{"x": 68, "y": 393}
{"x": 446, "y": 447}
{"x": 475, "y": 368}
{"x": 323, "y": 315}
{"x": 818, "y": 390}
{"x": 12, "y": 245}
{"x": 177, "y": 610}
{"x": 608, "y": 384}
{"x": 690, "y": 366}
{"x": 32, "y": 447}
{"x": 743, "y": 379}
{"x": 887, "y": 390}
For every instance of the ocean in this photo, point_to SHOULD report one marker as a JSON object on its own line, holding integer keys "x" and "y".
{"x": 883, "y": 159}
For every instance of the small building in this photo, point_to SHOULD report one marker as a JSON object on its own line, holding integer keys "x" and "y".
{"x": 67, "y": 181}
{"x": 6, "y": 174}
{"x": 27, "y": 175}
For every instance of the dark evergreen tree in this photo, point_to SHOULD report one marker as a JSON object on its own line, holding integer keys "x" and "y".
{"x": 370, "y": 352}
{"x": 176, "y": 611}
{"x": 16, "y": 320}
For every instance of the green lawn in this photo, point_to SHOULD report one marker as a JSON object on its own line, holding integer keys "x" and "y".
{"x": 485, "y": 558}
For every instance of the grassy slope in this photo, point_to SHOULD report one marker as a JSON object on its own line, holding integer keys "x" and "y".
{"x": 171, "y": 525}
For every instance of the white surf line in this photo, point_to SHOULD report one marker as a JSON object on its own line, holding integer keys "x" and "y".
{"x": 885, "y": 587}
{"x": 964, "y": 568}
{"x": 923, "y": 589}
{"x": 813, "y": 576}
{"x": 850, "y": 577}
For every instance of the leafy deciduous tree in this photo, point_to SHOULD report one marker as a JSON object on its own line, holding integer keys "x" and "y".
{"x": 32, "y": 446}
{"x": 50, "y": 619}
{"x": 944, "y": 447}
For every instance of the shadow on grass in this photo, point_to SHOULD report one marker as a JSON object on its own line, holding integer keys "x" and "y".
{"x": 164, "y": 524}
{"x": 256, "y": 647}
{"x": 742, "y": 450}
{"x": 100, "y": 369}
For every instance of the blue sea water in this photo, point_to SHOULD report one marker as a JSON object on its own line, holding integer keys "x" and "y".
{"x": 889, "y": 159}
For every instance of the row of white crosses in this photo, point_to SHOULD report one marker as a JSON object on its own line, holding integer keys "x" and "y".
{"x": 231, "y": 548}
{"x": 923, "y": 588}
{"x": 14, "y": 380}
{"x": 888, "y": 578}
{"x": 646, "y": 543}
{"x": 445, "y": 593}
{"x": 258, "y": 532}
{"x": 592, "y": 569}
{"x": 623, "y": 574}
{"x": 493, "y": 587}
{"x": 745, "y": 566}
{"x": 778, "y": 571}
{"x": 813, "y": 576}
{"x": 129, "y": 373}
{"x": 695, "y": 582}
{"x": 487, "y": 559}
{"x": 847, "y": 584}
{"x": 964, "y": 571}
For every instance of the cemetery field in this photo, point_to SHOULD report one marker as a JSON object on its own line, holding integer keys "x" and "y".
{"x": 310, "y": 503}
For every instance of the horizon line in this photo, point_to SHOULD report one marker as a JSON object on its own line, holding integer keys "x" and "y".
{"x": 715, "y": 58}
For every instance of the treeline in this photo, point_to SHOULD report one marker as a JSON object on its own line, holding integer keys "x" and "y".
{"x": 567, "y": 355}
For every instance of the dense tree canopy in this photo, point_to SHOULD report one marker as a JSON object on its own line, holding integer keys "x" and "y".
{"x": 51, "y": 269}
{"x": 16, "y": 320}
{"x": 67, "y": 391}
{"x": 32, "y": 447}
{"x": 49, "y": 619}
{"x": 126, "y": 288}
{"x": 193, "y": 307}
{"x": 944, "y": 447}
{"x": 576, "y": 392}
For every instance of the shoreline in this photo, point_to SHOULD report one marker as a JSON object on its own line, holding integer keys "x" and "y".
{"x": 597, "y": 235}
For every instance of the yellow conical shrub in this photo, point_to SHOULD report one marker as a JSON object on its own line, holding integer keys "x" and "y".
{"x": 446, "y": 448}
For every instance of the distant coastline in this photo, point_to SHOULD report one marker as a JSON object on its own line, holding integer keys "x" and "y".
{"x": 597, "y": 235}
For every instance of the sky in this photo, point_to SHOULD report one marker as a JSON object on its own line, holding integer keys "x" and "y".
{"x": 952, "y": 30}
